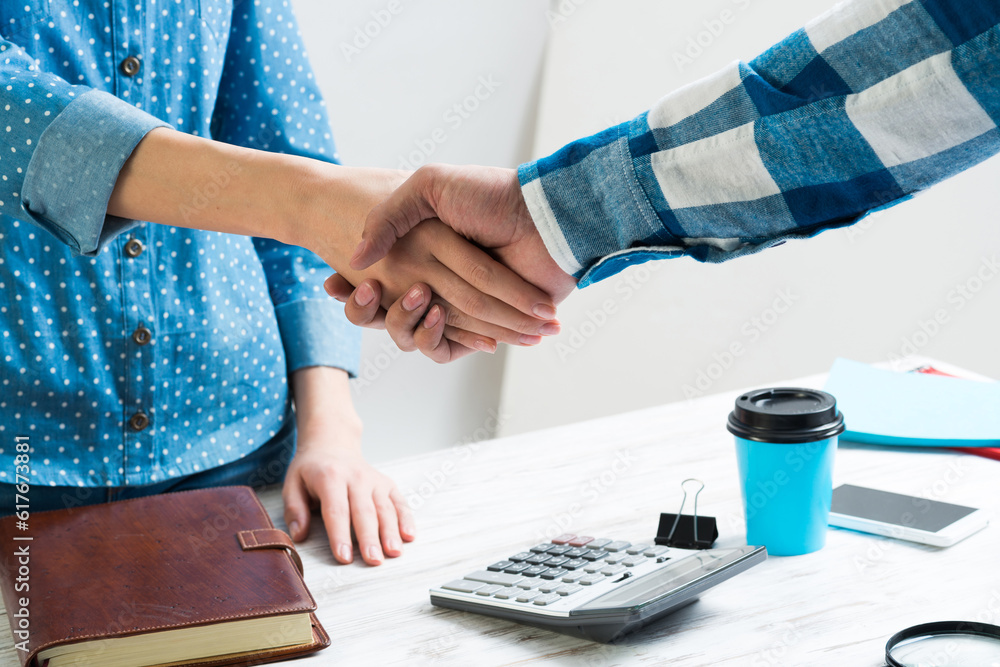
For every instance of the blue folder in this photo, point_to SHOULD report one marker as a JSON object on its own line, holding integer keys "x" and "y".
{"x": 883, "y": 407}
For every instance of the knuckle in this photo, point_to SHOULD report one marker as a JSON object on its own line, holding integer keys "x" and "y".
{"x": 476, "y": 305}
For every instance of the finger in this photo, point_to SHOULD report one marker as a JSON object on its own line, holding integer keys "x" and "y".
{"x": 338, "y": 287}
{"x": 407, "y": 526}
{"x": 402, "y": 211}
{"x": 486, "y": 315}
{"x": 388, "y": 523}
{"x": 430, "y": 339}
{"x": 365, "y": 521}
{"x": 296, "y": 500}
{"x": 492, "y": 278}
{"x": 404, "y": 316}
{"x": 335, "y": 508}
{"x": 363, "y": 307}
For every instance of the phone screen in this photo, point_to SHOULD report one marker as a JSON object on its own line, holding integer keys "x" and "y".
{"x": 896, "y": 509}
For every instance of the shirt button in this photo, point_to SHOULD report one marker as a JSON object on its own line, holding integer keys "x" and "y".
{"x": 139, "y": 421}
{"x": 130, "y": 66}
{"x": 134, "y": 248}
{"x": 142, "y": 335}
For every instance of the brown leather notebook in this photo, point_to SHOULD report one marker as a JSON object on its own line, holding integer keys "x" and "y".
{"x": 189, "y": 578}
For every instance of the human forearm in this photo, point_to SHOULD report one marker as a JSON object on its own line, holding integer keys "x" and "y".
{"x": 323, "y": 403}
{"x": 178, "y": 179}
{"x": 784, "y": 146}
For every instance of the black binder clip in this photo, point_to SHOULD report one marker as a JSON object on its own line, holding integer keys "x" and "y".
{"x": 684, "y": 531}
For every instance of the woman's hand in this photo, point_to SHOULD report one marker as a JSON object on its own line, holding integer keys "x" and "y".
{"x": 329, "y": 472}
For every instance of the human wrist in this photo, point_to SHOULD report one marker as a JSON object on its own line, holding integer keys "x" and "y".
{"x": 323, "y": 405}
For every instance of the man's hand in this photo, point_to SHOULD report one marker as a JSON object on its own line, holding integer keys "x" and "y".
{"x": 485, "y": 205}
{"x": 329, "y": 472}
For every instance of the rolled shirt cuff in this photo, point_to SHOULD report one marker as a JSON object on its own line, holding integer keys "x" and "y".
{"x": 75, "y": 167}
{"x": 316, "y": 333}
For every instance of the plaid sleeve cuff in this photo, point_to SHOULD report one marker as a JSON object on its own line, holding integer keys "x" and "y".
{"x": 75, "y": 166}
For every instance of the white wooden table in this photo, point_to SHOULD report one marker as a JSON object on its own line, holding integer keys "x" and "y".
{"x": 613, "y": 476}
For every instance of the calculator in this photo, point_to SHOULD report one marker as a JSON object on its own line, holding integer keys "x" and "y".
{"x": 596, "y": 588}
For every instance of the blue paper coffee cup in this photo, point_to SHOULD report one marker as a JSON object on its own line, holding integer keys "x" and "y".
{"x": 786, "y": 440}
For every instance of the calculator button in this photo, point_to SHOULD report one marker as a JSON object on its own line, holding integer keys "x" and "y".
{"x": 563, "y": 539}
{"x": 636, "y": 549}
{"x": 527, "y": 584}
{"x": 595, "y": 555}
{"x": 462, "y": 586}
{"x": 516, "y": 568}
{"x": 559, "y": 550}
{"x": 569, "y": 590}
{"x": 528, "y": 596}
{"x": 541, "y": 548}
{"x": 501, "y": 566}
{"x": 580, "y": 541}
{"x": 507, "y": 593}
{"x": 534, "y": 570}
{"x": 632, "y": 561}
{"x": 488, "y": 590}
{"x": 612, "y": 570}
{"x": 614, "y": 559}
{"x": 594, "y": 567}
{"x": 553, "y": 573}
{"x": 524, "y": 555}
{"x": 537, "y": 558}
{"x": 556, "y": 561}
{"x": 574, "y": 564}
{"x": 655, "y": 551}
{"x": 591, "y": 579}
{"x": 551, "y": 587}
{"x": 494, "y": 578}
{"x": 574, "y": 577}
{"x": 598, "y": 543}
{"x": 618, "y": 545}
{"x": 575, "y": 552}
{"x": 543, "y": 600}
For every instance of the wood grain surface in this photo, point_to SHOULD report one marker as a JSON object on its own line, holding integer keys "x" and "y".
{"x": 479, "y": 502}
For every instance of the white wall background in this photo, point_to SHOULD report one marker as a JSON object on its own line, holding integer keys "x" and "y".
{"x": 386, "y": 97}
{"x": 858, "y": 293}
{"x": 861, "y": 293}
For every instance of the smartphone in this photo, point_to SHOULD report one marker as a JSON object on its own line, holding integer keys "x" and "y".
{"x": 904, "y": 517}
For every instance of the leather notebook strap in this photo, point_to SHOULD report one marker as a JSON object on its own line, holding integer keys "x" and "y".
{"x": 269, "y": 538}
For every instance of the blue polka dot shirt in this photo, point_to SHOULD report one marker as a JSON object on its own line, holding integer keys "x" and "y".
{"x": 134, "y": 352}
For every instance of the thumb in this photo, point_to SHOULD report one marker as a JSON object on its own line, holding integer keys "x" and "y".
{"x": 388, "y": 222}
{"x": 296, "y": 507}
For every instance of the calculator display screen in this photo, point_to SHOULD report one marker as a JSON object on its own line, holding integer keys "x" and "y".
{"x": 663, "y": 582}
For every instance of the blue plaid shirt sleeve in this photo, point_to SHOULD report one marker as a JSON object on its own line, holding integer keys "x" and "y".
{"x": 287, "y": 115}
{"x": 864, "y": 107}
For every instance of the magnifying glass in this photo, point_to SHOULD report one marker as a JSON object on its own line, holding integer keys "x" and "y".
{"x": 945, "y": 644}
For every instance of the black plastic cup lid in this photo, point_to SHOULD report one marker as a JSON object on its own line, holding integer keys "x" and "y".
{"x": 786, "y": 415}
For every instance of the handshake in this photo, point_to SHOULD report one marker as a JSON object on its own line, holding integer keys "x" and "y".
{"x": 452, "y": 263}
